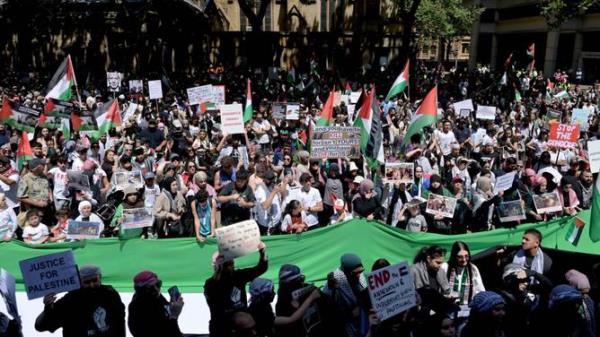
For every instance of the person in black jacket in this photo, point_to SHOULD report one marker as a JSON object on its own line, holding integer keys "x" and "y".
{"x": 366, "y": 205}
{"x": 150, "y": 314}
{"x": 93, "y": 310}
{"x": 225, "y": 291}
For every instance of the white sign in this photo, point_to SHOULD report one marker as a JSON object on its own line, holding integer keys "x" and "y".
{"x": 132, "y": 108}
{"x": 232, "y": 120}
{"x": 486, "y": 112}
{"x": 113, "y": 81}
{"x": 594, "y": 155}
{"x": 504, "y": 182}
{"x": 136, "y": 86}
{"x": 238, "y": 239}
{"x": 54, "y": 273}
{"x": 194, "y": 95}
{"x": 391, "y": 290}
{"x": 137, "y": 218}
{"x": 8, "y": 289}
{"x": 292, "y": 111}
{"x": 218, "y": 94}
{"x": 351, "y": 109}
{"x": 463, "y": 105}
{"x": 80, "y": 230}
{"x": 155, "y": 89}
{"x": 354, "y": 96}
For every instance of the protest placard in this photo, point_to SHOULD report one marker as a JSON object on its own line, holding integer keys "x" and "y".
{"x": 351, "y": 109}
{"x": 510, "y": 211}
{"x": 194, "y": 95}
{"x": 594, "y": 155}
{"x": 581, "y": 117}
{"x": 563, "y": 135}
{"x": 54, "y": 273}
{"x": 335, "y": 142}
{"x": 239, "y": 239}
{"x": 401, "y": 173}
{"x": 554, "y": 115}
{"x": 391, "y": 290}
{"x": 463, "y": 105}
{"x": 130, "y": 112}
{"x": 136, "y": 86}
{"x": 355, "y": 96}
{"x": 218, "y": 95}
{"x": 278, "y": 110}
{"x": 292, "y": 111}
{"x": 21, "y": 117}
{"x": 232, "y": 120}
{"x": 80, "y": 230}
{"x": 113, "y": 81}
{"x": 478, "y": 136}
{"x": 504, "y": 182}
{"x": 547, "y": 202}
{"x": 440, "y": 205}
{"x": 155, "y": 89}
{"x": 122, "y": 179}
{"x": 486, "y": 112}
{"x": 137, "y": 218}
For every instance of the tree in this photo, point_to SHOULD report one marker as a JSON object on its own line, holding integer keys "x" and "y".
{"x": 255, "y": 19}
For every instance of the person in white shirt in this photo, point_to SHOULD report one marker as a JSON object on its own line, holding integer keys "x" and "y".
{"x": 58, "y": 174}
{"x": 310, "y": 198}
{"x": 79, "y": 158}
{"x": 261, "y": 127}
{"x": 8, "y": 220}
{"x": 267, "y": 209}
{"x": 151, "y": 190}
{"x": 35, "y": 232}
{"x": 9, "y": 178}
{"x": 446, "y": 138}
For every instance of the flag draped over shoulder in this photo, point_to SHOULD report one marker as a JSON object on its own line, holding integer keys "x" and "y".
{"x": 400, "y": 84}
{"x": 595, "y": 216}
{"x": 326, "y": 117}
{"x": 426, "y": 115}
{"x": 248, "y": 111}
{"x": 371, "y": 134}
{"x": 61, "y": 84}
{"x": 24, "y": 152}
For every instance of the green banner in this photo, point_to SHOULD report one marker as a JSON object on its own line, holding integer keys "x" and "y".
{"x": 186, "y": 263}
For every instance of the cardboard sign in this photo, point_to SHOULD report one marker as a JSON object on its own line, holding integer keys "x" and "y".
{"x": 155, "y": 89}
{"x": 402, "y": 173}
{"x": 440, "y": 205}
{"x": 547, "y": 202}
{"x": 563, "y": 135}
{"x": 486, "y": 112}
{"x": 113, "y": 81}
{"x": 218, "y": 94}
{"x": 504, "y": 182}
{"x": 137, "y": 218}
{"x": 80, "y": 230}
{"x": 509, "y": 211}
{"x": 581, "y": 117}
{"x": 238, "y": 239}
{"x": 278, "y": 110}
{"x": 54, "y": 273}
{"x": 194, "y": 95}
{"x": 123, "y": 179}
{"x": 391, "y": 290}
{"x": 335, "y": 142}
{"x": 463, "y": 105}
{"x": 136, "y": 86}
{"x": 232, "y": 120}
{"x": 594, "y": 155}
{"x": 292, "y": 111}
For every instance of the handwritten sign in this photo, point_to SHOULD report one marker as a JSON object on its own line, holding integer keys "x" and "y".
{"x": 232, "y": 121}
{"x": 292, "y": 111}
{"x": 594, "y": 155}
{"x": 218, "y": 94}
{"x": 581, "y": 117}
{"x": 194, "y": 95}
{"x": 391, "y": 290}
{"x": 504, "y": 182}
{"x": 335, "y": 142}
{"x": 486, "y": 112}
{"x": 238, "y": 239}
{"x": 79, "y": 230}
{"x": 54, "y": 273}
{"x": 464, "y": 105}
{"x": 155, "y": 89}
{"x": 563, "y": 135}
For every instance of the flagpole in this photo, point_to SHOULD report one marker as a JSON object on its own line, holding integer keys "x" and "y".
{"x": 76, "y": 86}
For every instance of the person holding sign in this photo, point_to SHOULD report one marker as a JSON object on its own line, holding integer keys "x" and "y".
{"x": 93, "y": 310}
{"x": 225, "y": 291}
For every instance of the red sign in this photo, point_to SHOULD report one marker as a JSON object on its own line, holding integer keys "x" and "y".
{"x": 563, "y": 135}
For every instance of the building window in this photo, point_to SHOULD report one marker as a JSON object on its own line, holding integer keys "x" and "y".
{"x": 324, "y": 15}
{"x": 465, "y": 48}
{"x": 268, "y": 19}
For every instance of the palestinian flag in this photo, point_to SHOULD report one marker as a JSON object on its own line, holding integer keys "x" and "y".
{"x": 326, "y": 117}
{"x": 84, "y": 122}
{"x": 54, "y": 112}
{"x": 65, "y": 127}
{"x": 24, "y": 152}
{"x": 19, "y": 116}
{"x": 562, "y": 95}
{"x": 531, "y": 50}
{"x": 291, "y": 76}
{"x": 63, "y": 81}
{"x": 399, "y": 84}
{"x": 348, "y": 89}
{"x": 248, "y": 112}
{"x": 108, "y": 116}
{"x": 575, "y": 230}
{"x": 595, "y": 216}
{"x": 371, "y": 132}
{"x": 426, "y": 115}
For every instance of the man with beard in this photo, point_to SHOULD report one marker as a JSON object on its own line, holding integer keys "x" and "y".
{"x": 225, "y": 291}
{"x": 93, "y": 310}
{"x": 237, "y": 199}
{"x": 268, "y": 202}
{"x": 155, "y": 137}
{"x": 584, "y": 189}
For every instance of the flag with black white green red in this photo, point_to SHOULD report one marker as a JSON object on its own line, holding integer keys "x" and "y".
{"x": 24, "y": 152}
{"x": 531, "y": 50}
{"x": 595, "y": 216}
{"x": 326, "y": 117}
{"x": 54, "y": 112}
{"x": 368, "y": 120}
{"x": 19, "y": 116}
{"x": 575, "y": 230}
{"x": 108, "y": 116}
{"x": 400, "y": 84}
{"x": 62, "y": 83}
{"x": 426, "y": 115}
{"x": 83, "y": 121}
{"x": 248, "y": 110}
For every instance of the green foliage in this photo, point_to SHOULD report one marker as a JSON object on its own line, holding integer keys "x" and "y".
{"x": 558, "y": 12}
{"x": 445, "y": 19}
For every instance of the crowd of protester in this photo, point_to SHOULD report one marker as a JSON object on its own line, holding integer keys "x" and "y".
{"x": 197, "y": 178}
